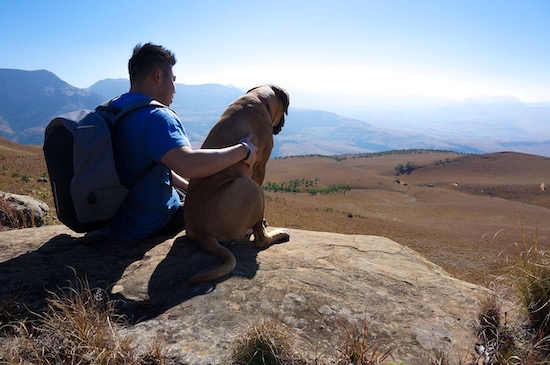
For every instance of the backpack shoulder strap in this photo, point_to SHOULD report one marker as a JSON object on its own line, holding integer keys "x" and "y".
{"x": 139, "y": 105}
{"x": 117, "y": 113}
{"x": 116, "y": 117}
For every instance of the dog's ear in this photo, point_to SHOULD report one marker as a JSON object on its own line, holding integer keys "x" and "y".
{"x": 283, "y": 97}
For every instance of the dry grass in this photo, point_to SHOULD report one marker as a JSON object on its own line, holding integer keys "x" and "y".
{"x": 533, "y": 285}
{"x": 21, "y": 170}
{"x": 496, "y": 343}
{"x": 518, "y": 336}
{"x": 356, "y": 347}
{"x": 268, "y": 342}
{"x": 79, "y": 326}
{"x": 530, "y": 277}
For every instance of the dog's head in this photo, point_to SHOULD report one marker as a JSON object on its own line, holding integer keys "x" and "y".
{"x": 279, "y": 97}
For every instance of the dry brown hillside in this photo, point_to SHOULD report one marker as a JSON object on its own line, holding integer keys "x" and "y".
{"x": 460, "y": 211}
{"x": 22, "y": 168}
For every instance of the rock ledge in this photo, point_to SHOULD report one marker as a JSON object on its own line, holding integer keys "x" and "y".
{"x": 313, "y": 283}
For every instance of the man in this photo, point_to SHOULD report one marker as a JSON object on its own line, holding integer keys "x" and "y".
{"x": 152, "y": 135}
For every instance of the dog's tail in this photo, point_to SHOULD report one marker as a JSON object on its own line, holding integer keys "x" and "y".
{"x": 211, "y": 245}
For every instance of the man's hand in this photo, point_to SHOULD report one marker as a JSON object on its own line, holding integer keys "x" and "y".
{"x": 251, "y": 159}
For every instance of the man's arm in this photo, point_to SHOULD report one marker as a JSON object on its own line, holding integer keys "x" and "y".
{"x": 205, "y": 162}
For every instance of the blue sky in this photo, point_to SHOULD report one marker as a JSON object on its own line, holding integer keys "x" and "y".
{"x": 343, "y": 49}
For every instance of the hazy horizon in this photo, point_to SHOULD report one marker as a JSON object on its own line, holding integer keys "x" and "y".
{"x": 351, "y": 104}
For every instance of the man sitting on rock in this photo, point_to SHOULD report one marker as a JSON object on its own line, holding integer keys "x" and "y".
{"x": 153, "y": 205}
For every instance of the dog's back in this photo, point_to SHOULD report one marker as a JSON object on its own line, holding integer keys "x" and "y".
{"x": 226, "y": 205}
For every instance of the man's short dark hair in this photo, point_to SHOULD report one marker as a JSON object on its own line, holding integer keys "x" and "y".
{"x": 146, "y": 58}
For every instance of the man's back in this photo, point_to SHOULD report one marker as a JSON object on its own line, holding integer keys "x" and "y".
{"x": 142, "y": 139}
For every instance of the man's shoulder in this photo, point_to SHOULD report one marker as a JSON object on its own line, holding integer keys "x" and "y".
{"x": 133, "y": 100}
{"x": 164, "y": 112}
{"x": 128, "y": 99}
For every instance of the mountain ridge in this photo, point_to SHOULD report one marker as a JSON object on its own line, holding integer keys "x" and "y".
{"x": 30, "y": 99}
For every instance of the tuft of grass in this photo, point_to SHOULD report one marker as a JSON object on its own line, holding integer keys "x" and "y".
{"x": 357, "y": 348}
{"x": 526, "y": 341}
{"x": 79, "y": 326}
{"x": 532, "y": 284}
{"x": 495, "y": 340}
{"x": 439, "y": 357}
{"x": 12, "y": 316}
{"x": 268, "y": 342}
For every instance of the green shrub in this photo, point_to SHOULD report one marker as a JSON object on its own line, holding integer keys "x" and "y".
{"x": 294, "y": 186}
{"x": 405, "y": 169}
{"x": 330, "y": 190}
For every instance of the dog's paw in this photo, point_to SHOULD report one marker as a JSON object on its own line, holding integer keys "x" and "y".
{"x": 280, "y": 235}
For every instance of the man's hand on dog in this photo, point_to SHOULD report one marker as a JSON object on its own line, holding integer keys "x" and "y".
{"x": 251, "y": 160}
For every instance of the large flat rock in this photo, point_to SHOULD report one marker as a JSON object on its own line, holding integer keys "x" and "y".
{"x": 313, "y": 283}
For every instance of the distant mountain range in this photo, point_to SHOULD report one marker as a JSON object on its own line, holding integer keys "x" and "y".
{"x": 30, "y": 99}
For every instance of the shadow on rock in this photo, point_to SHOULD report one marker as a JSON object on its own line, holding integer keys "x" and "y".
{"x": 151, "y": 282}
{"x": 63, "y": 259}
{"x": 168, "y": 285}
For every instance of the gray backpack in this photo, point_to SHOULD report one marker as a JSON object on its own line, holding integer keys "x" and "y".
{"x": 81, "y": 165}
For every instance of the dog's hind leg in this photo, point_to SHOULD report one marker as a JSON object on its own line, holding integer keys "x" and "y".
{"x": 263, "y": 239}
{"x": 211, "y": 245}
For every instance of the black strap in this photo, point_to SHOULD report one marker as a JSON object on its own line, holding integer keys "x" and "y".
{"x": 119, "y": 116}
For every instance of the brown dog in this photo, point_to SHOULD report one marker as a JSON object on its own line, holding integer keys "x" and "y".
{"x": 225, "y": 206}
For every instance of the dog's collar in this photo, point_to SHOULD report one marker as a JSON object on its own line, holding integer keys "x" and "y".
{"x": 266, "y": 103}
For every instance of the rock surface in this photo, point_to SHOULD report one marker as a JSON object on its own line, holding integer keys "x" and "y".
{"x": 313, "y": 283}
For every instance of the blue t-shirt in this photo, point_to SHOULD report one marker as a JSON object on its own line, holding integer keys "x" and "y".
{"x": 145, "y": 136}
